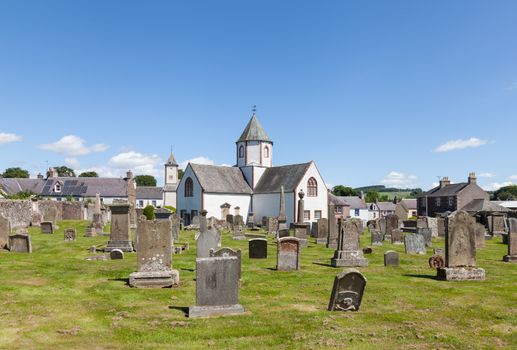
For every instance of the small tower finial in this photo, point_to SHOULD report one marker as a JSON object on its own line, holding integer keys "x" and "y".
{"x": 254, "y": 108}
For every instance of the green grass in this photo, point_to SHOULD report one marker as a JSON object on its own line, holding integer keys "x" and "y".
{"x": 54, "y": 299}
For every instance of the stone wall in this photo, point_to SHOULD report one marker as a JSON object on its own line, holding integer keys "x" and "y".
{"x": 19, "y": 212}
{"x": 72, "y": 211}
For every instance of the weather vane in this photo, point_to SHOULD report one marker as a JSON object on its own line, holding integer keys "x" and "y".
{"x": 254, "y": 109}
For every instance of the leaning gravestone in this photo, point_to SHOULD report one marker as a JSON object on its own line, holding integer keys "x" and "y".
{"x": 120, "y": 237}
{"x": 288, "y": 254}
{"x": 226, "y": 252}
{"x": 69, "y": 234}
{"x": 257, "y": 248}
{"x": 427, "y": 233}
{"x": 207, "y": 239}
{"x": 47, "y": 227}
{"x": 154, "y": 255}
{"x": 377, "y": 237}
{"x": 414, "y": 244}
{"x": 217, "y": 287}
{"x": 391, "y": 258}
{"x": 396, "y": 236}
{"x": 347, "y": 292}
{"x": 321, "y": 235}
{"x": 20, "y": 243}
{"x": 460, "y": 250}
{"x": 348, "y": 252}
{"x": 5, "y": 230}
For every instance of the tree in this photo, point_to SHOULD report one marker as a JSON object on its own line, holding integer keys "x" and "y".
{"x": 16, "y": 173}
{"x": 343, "y": 191}
{"x": 145, "y": 180}
{"x": 180, "y": 173}
{"x": 21, "y": 195}
{"x": 64, "y": 171}
{"x": 149, "y": 212}
{"x": 506, "y": 193}
{"x": 372, "y": 196}
{"x": 89, "y": 174}
{"x": 171, "y": 208}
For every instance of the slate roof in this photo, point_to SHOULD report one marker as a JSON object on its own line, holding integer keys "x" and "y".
{"x": 478, "y": 205}
{"x": 448, "y": 190}
{"x": 335, "y": 200}
{"x": 254, "y": 131}
{"x": 149, "y": 192}
{"x": 354, "y": 202}
{"x": 12, "y": 186}
{"x": 220, "y": 179}
{"x": 86, "y": 187}
{"x": 386, "y": 206}
{"x": 410, "y": 203}
{"x": 288, "y": 176}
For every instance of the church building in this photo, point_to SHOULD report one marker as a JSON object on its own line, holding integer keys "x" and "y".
{"x": 253, "y": 185}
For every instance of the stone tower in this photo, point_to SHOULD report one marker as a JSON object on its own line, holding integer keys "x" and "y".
{"x": 171, "y": 181}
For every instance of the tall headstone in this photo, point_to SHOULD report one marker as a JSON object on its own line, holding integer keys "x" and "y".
{"x": 348, "y": 252}
{"x": 382, "y": 227}
{"x": 300, "y": 227}
{"x": 460, "y": 250}
{"x": 272, "y": 226}
{"x": 396, "y": 236}
{"x": 47, "y": 227}
{"x": 323, "y": 227}
{"x": 288, "y": 254}
{"x": 391, "y": 258}
{"x": 250, "y": 222}
{"x": 428, "y": 235}
{"x": 207, "y": 239}
{"x": 440, "y": 223}
{"x": 69, "y": 234}
{"x": 20, "y": 243}
{"x": 392, "y": 223}
{"x": 376, "y": 237}
{"x": 432, "y": 223}
{"x": 97, "y": 222}
{"x": 480, "y": 235}
{"x": 257, "y": 248}
{"x": 226, "y": 252}
{"x": 217, "y": 287}
{"x": 154, "y": 255}
{"x": 332, "y": 228}
{"x": 5, "y": 230}
{"x": 496, "y": 224}
{"x": 347, "y": 292}
{"x": 512, "y": 241}
{"x": 120, "y": 237}
{"x": 414, "y": 244}
{"x": 175, "y": 227}
{"x": 282, "y": 217}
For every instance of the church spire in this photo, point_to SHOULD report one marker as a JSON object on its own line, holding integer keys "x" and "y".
{"x": 254, "y": 131}
{"x": 171, "y": 160}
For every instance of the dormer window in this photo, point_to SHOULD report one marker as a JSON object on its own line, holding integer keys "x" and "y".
{"x": 57, "y": 187}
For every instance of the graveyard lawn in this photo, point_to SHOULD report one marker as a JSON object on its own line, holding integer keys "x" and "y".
{"x": 54, "y": 299}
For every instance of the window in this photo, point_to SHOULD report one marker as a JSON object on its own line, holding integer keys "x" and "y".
{"x": 140, "y": 203}
{"x": 438, "y": 202}
{"x": 317, "y": 214}
{"x": 312, "y": 187}
{"x": 154, "y": 203}
{"x": 450, "y": 201}
{"x": 193, "y": 213}
{"x": 266, "y": 152}
{"x": 241, "y": 152}
{"x": 306, "y": 215}
{"x": 338, "y": 209}
{"x": 356, "y": 212}
{"x": 189, "y": 187}
{"x": 57, "y": 187}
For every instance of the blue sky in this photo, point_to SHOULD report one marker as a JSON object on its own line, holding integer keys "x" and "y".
{"x": 376, "y": 92}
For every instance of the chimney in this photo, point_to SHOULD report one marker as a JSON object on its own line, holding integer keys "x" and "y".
{"x": 362, "y": 195}
{"x": 40, "y": 177}
{"x": 129, "y": 174}
{"x": 472, "y": 178}
{"x": 52, "y": 173}
{"x": 444, "y": 182}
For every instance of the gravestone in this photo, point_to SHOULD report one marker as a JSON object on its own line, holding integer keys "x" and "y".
{"x": 480, "y": 232}
{"x": 332, "y": 228}
{"x": 460, "y": 250}
{"x": 512, "y": 241}
{"x": 376, "y": 237}
{"x": 20, "y": 243}
{"x": 440, "y": 223}
{"x": 347, "y": 292}
{"x": 5, "y": 230}
{"x": 47, "y": 227}
{"x": 226, "y": 252}
{"x": 427, "y": 233}
{"x": 36, "y": 219}
{"x": 175, "y": 227}
{"x": 250, "y": 221}
{"x": 238, "y": 220}
{"x": 348, "y": 252}
{"x": 257, "y": 248}
{"x": 391, "y": 258}
{"x": 300, "y": 232}
{"x": 217, "y": 287}
{"x": 282, "y": 217}
{"x": 288, "y": 254}
{"x": 206, "y": 239}
{"x": 229, "y": 219}
{"x": 284, "y": 233}
{"x": 90, "y": 232}
{"x": 421, "y": 222}
{"x": 238, "y": 233}
{"x": 116, "y": 254}
{"x": 497, "y": 224}
{"x": 392, "y": 223}
{"x": 382, "y": 226}
{"x": 397, "y": 237}
{"x": 414, "y": 244}
{"x": 321, "y": 237}
{"x": 154, "y": 255}
{"x": 51, "y": 214}
{"x": 272, "y": 226}
{"x": 120, "y": 237}
{"x": 432, "y": 223}
{"x": 69, "y": 234}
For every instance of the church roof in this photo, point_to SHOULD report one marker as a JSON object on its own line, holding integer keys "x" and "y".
{"x": 288, "y": 176}
{"x": 149, "y": 192}
{"x": 171, "y": 160}
{"x": 221, "y": 179}
{"x": 254, "y": 131}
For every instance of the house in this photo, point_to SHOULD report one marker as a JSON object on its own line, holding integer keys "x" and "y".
{"x": 379, "y": 210}
{"x": 447, "y": 197}
{"x": 253, "y": 184}
{"x": 357, "y": 206}
{"x": 406, "y": 209}
{"x": 341, "y": 208}
{"x": 149, "y": 195}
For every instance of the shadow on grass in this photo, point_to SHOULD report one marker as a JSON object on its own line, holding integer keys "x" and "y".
{"x": 183, "y": 309}
{"x": 185, "y": 269}
{"x": 322, "y": 264}
{"x": 431, "y": 277}
{"x": 125, "y": 280}
{"x": 272, "y": 268}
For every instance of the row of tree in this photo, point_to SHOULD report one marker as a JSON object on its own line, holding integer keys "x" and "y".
{"x": 372, "y": 195}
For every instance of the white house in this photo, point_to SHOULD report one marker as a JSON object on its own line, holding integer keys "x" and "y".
{"x": 358, "y": 208}
{"x": 149, "y": 195}
{"x": 253, "y": 185}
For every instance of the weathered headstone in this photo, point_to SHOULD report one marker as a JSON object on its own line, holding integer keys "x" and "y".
{"x": 347, "y": 292}
{"x": 391, "y": 258}
{"x": 332, "y": 228}
{"x": 154, "y": 255}
{"x": 288, "y": 254}
{"x": 512, "y": 241}
{"x": 36, "y": 219}
{"x": 250, "y": 221}
{"x": 51, "y": 214}
{"x": 283, "y": 233}
{"x": 348, "y": 252}
{"x": 300, "y": 232}
{"x": 238, "y": 233}
{"x": 323, "y": 227}
{"x": 257, "y": 248}
{"x": 5, "y": 230}
{"x": 229, "y": 219}
{"x": 414, "y": 244}
{"x": 175, "y": 227}
{"x": 382, "y": 226}
{"x": 397, "y": 237}
{"x": 207, "y": 239}
{"x": 69, "y": 234}
{"x": 427, "y": 233}
{"x": 440, "y": 223}
{"x": 421, "y": 222}
{"x": 90, "y": 232}
{"x": 116, "y": 254}
{"x": 432, "y": 223}
{"x": 480, "y": 232}
{"x": 272, "y": 226}
{"x": 217, "y": 287}
{"x": 238, "y": 220}
{"x": 496, "y": 224}
{"x": 392, "y": 223}
{"x": 460, "y": 250}
{"x": 20, "y": 243}
{"x": 120, "y": 237}
{"x": 226, "y": 252}
{"x": 282, "y": 217}
{"x": 377, "y": 237}
{"x": 47, "y": 227}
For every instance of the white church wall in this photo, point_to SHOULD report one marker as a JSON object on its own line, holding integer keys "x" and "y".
{"x": 213, "y": 202}
{"x": 268, "y": 204}
{"x": 169, "y": 198}
{"x": 267, "y": 161}
{"x": 189, "y": 203}
{"x": 257, "y": 174}
{"x": 313, "y": 204}
{"x": 253, "y": 153}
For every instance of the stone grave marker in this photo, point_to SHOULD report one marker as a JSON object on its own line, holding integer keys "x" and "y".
{"x": 421, "y": 222}
{"x": 332, "y": 235}
{"x": 47, "y": 227}
{"x": 69, "y": 234}
{"x": 238, "y": 220}
{"x": 116, "y": 254}
{"x": 348, "y": 252}
{"x": 512, "y": 241}
{"x": 284, "y": 233}
{"x": 36, "y": 219}
{"x": 382, "y": 226}
{"x": 496, "y": 224}
{"x": 257, "y": 248}
{"x": 288, "y": 254}
{"x": 392, "y": 223}
{"x": 377, "y": 237}
{"x": 391, "y": 258}
{"x": 440, "y": 223}
{"x": 154, "y": 255}
{"x": 436, "y": 262}
{"x": 206, "y": 239}
{"x": 321, "y": 235}
{"x": 396, "y": 236}
{"x": 250, "y": 221}
{"x": 414, "y": 244}
{"x": 175, "y": 227}
{"x": 272, "y": 226}
{"x": 300, "y": 232}
{"x": 226, "y": 252}
{"x": 5, "y": 230}
{"x": 120, "y": 237}
{"x": 238, "y": 233}
{"x": 428, "y": 236}
{"x": 480, "y": 232}
{"x": 432, "y": 223}
{"x": 20, "y": 243}
{"x": 229, "y": 219}
{"x": 217, "y": 287}
{"x": 347, "y": 292}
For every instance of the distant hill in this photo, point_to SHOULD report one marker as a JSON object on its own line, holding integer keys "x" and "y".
{"x": 391, "y": 192}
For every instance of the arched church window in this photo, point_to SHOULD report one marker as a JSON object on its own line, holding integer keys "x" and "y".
{"x": 189, "y": 188}
{"x": 312, "y": 187}
{"x": 241, "y": 152}
{"x": 266, "y": 152}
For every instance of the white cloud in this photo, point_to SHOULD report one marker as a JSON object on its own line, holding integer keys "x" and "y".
{"x": 72, "y": 162}
{"x": 489, "y": 175}
{"x": 197, "y": 160}
{"x": 453, "y": 145}
{"x": 103, "y": 171}
{"x": 73, "y": 145}
{"x": 513, "y": 177}
{"x": 494, "y": 186}
{"x": 399, "y": 180}
{"x": 139, "y": 163}
{"x": 8, "y": 138}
